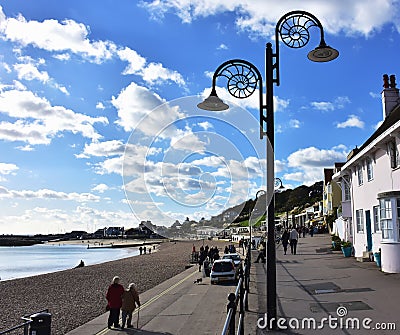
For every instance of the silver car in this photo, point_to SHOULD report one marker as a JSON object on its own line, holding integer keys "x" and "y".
{"x": 223, "y": 270}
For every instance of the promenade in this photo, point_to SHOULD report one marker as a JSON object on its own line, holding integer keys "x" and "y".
{"x": 316, "y": 288}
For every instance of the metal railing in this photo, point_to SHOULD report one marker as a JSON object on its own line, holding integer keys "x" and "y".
{"x": 24, "y": 325}
{"x": 239, "y": 297}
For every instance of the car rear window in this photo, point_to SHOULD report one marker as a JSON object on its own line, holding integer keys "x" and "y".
{"x": 222, "y": 267}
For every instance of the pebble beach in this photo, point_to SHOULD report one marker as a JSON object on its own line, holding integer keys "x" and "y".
{"x": 76, "y": 296}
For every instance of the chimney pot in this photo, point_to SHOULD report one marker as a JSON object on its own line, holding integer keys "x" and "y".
{"x": 385, "y": 81}
{"x": 390, "y": 94}
{"x": 392, "y": 81}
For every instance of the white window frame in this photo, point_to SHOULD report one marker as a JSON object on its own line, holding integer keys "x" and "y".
{"x": 370, "y": 169}
{"x": 346, "y": 188}
{"x": 360, "y": 177}
{"x": 377, "y": 225}
{"x": 393, "y": 154}
{"x": 385, "y": 214}
{"x": 360, "y": 220}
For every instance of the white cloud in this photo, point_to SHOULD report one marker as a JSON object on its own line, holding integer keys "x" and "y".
{"x": 307, "y": 164}
{"x": 323, "y": 106}
{"x": 136, "y": 62}
{"x": 100, "y": 105}
{"x": 294, "y": 123}
{"x": 101, "y": 188}
{"x": 338, "y": 103}
{"x": 51, "y": 35}
{"x": 353, "y": 121}
{"x": 355, "y": 17}
{"x": 222, "y": 46}
{"x": 28, "y": 70}
{"x": 135, "y": 105}
{"x": 156, "y": 73}
{"x": 37, "y": 121}
{"x": 47, "y": 194}
{"x": 7, "y": 168}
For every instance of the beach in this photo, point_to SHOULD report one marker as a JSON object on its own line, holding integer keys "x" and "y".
{"x": 76, "y": 296}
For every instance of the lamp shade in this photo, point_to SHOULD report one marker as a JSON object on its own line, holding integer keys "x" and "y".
{"x": 213, "y": 103}
{"x": 323, "y": 53}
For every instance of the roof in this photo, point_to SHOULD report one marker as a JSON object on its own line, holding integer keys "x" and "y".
{"x": 389, "y": 121}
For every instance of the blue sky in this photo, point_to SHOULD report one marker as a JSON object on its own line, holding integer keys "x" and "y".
{"x": 98, "y": 118}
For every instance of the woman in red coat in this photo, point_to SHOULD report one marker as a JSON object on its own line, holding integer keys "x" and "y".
{"x": 114, "y": 298}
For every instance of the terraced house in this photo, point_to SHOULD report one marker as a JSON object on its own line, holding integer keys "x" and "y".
{"x": 370, "y": 184}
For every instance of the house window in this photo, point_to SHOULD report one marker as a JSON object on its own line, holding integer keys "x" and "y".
{"x": 394, "y": 154}
{"x": 398, "y": 217}
{"x": 370, "y": 170}
{"x": 386, "y": 219}
{"x": 360, "y": 220}
{"x": 346, "y": 188}
{"x": 360, "y": 175}
{"x": 377, "y": 226}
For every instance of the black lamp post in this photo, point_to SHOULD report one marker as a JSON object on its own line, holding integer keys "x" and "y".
{"x": 243, "y": 78}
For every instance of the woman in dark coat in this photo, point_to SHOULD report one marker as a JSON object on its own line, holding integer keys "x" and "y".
{"x": 285, "y": 240}
{"x": 114, "y": 298}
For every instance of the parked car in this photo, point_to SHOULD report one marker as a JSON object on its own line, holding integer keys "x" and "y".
{"x": 223, "y": 270}
{"x": 237, "y": 259}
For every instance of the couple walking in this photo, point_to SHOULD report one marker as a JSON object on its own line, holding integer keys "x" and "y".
{"x": 120, "y": 299}
{"x": 293, "y": 237}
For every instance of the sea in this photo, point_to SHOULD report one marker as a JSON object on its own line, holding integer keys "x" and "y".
{"x": 20, "y": 262}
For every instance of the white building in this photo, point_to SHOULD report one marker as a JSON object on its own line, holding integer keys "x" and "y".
{"x": 370, "y": 182}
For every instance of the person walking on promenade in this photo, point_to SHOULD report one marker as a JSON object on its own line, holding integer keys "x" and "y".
{"x": 114, "y": 298}
{"x": 293, "y": 237}
{"x": 130, "y": 298}
{"x": 285, "y": 240}
{"x": 261, "y": 253}
{"x": 202, "y": 258}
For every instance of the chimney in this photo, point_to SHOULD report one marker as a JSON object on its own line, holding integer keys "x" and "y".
{"x": 390, "y": 94}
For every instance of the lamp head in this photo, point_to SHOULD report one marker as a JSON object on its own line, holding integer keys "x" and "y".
{"x": 323, "y": 53}
{"x": 213, "y": 103}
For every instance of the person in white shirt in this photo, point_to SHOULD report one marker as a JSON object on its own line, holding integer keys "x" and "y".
{"x": 293, "y": 237}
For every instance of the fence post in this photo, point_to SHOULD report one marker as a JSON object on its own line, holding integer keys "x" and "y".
{"x": 232, "y": 305}
{"x": 241, "y": 292}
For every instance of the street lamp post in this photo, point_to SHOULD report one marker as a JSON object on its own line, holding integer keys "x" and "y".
{"x": 242, "y": 79}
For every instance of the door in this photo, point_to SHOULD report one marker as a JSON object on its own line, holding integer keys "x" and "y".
{"x": 368, "y": 229}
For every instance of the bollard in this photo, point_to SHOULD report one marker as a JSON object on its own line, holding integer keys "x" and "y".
{"x": 231, "y": 305}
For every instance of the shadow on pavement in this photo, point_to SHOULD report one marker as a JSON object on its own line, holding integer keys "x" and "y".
{"x": 140, "y": 332}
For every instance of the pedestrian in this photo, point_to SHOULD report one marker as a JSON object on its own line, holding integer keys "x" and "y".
{"x": 311, "y": 230}
{"x": 285, "y": 240}
{"x": 130, "y": 298}
{"x": 294, "y": 236}
{"x": 140, "y": 250}
{"x": 261, "y": 253}
{"x": 202, "y": 257}
{"x": 114, "y": 299}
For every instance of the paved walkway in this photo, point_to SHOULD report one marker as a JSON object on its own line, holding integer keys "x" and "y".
{"x": 311, "y": 286}
{"x": 318, "y": 283}
{"x": 179, "y": 306}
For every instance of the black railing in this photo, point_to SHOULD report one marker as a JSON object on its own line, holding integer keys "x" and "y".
{"x": 23, "y": 326}
{"x": 239, "y": 297}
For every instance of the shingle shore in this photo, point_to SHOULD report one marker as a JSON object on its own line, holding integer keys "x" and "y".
{"x": 77, "y": 296}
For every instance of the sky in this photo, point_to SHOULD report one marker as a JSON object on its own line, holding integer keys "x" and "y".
{"x": 99, "y": 124}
